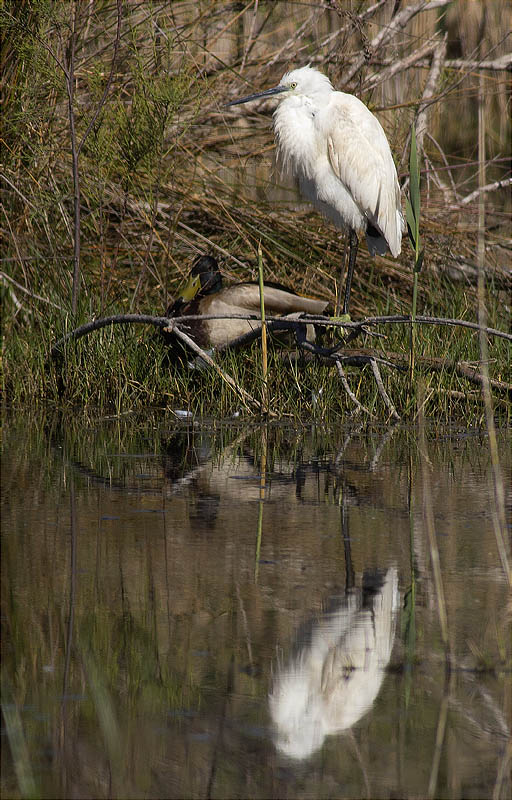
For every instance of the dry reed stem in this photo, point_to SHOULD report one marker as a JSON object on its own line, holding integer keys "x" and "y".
{"x": 386, "y": 398}
{"x": 349, "y": 391}
{"x": 428, "y": 515}
{"x": 436, "y": 67}
{"x": 499, "y": 517}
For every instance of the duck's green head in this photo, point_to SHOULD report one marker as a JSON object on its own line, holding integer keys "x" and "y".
{"x": 205, "y": 278}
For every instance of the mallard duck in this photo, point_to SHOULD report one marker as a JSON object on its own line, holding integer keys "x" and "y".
{"x": 205, "y": 294}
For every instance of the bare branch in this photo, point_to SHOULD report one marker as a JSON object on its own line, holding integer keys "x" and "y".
{"x": 160, "y": 322}
{"x": 502, "y": 63}
{"x": 349, "y": 391}
{"x": 117, "y": 319}
{"x": 245, "y": 396}
{"x": 391, "y": 30}
{"x": 418, "y": 59}
{"x": 382, "y": 391}
{"x": 400, "y": 319}
{"x": 429, "y": 91}
{"x": 490, "y": 187}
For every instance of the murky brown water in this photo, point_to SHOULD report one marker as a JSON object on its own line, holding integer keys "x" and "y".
{"x": 172, "y": 628}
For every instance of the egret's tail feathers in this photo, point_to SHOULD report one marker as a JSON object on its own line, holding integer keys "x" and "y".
{"x": 377, "y": 244}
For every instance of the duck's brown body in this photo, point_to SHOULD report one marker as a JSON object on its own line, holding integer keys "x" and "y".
{"x": 212, "y": 299}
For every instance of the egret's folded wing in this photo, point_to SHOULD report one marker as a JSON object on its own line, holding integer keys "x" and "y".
{"x": 360, "y": 157}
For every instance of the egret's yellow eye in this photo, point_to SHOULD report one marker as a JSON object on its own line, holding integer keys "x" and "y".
{"x": 293, "y": 85}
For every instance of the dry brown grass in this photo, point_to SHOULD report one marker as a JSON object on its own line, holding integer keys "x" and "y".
{"x": 207, "y": 182}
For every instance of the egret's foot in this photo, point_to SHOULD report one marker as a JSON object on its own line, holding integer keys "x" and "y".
{"x": 340, "y": 331}
{"x": 338, "y": 334}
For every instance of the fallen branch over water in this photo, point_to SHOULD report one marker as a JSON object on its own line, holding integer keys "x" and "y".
{"x": 328, "y": 356}
{"x": 361, "y": 357}
{"x": 287, "y": 324}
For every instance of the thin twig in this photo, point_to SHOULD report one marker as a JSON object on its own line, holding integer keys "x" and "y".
{"x": 29, "y": 204}
{"x": 17, "y": 304}
{"x": 341, "y": 373}
{"x": 245, "y": 396}
{"x": 422, "y": 320}
{"x": 382, "y": 391}
{"x": 5, "y": 277}
{"x": 398, "y": 319}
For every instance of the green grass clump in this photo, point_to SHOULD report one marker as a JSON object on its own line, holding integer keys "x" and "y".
{"x": 126, "y": 368}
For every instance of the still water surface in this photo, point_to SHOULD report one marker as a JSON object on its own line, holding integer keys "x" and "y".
{"x": 211, "y": 610}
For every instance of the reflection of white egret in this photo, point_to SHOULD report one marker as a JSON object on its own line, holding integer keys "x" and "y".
{"x": 337, "y": 674}
{"x": 337, "y": 150}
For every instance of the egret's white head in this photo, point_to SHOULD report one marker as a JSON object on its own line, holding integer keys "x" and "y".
{"x": 305, "y": 82}
{"x": 301, "y": 83}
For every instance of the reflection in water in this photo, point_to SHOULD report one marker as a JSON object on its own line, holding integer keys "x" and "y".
{"x": 151, "y": 572}
{"x": 336, "y": 675}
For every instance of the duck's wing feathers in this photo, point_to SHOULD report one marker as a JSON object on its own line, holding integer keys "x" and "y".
{"x": 277, "y": 301}
{"x": 360, "y": 156}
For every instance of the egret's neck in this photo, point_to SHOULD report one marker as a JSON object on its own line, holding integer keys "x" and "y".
{"x": 306, "y": 103}
{"x": 295, "y": 131}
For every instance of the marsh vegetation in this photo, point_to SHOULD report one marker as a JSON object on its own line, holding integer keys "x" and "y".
{"x": 120, "y": 163}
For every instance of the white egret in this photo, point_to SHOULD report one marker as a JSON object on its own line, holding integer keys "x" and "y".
{"x": 337, "y": 150}
{"x": 335, "y": 676}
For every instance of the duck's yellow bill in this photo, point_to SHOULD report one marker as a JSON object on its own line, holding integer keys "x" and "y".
{"x": 191, "y": 288}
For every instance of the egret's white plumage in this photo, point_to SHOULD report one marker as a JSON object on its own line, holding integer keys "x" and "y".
{"x": 336, "y": 676}
{"x": 337, "y": 150}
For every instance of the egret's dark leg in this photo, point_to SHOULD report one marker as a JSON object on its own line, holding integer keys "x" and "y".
{"x": 353, "y": 244}
{"x": 343, "y": 270}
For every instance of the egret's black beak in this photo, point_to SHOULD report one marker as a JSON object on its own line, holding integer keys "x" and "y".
{"x": 266, "y": 93}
